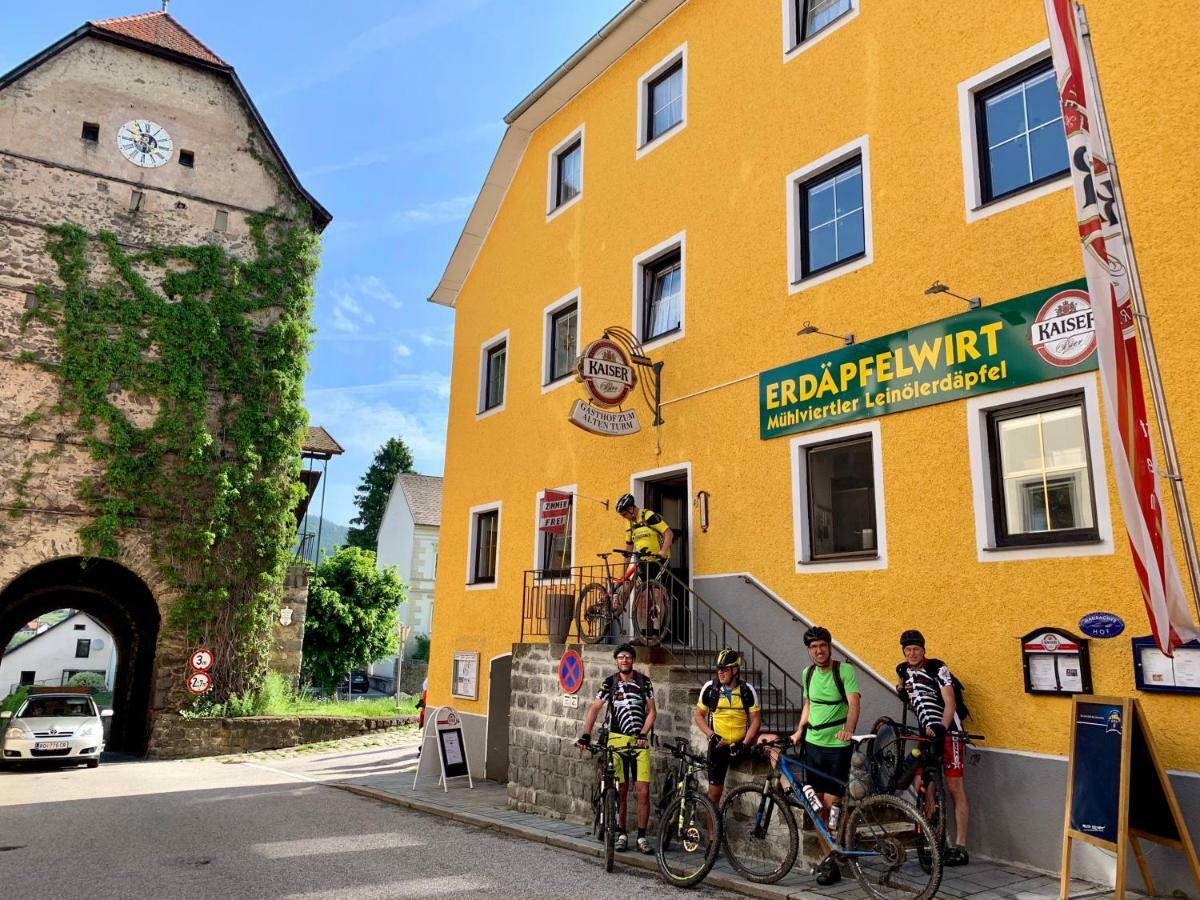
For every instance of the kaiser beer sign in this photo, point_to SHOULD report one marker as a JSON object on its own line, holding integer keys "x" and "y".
{"x": 606, "y": 372}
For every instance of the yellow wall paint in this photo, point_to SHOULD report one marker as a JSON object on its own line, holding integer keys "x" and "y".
{"x": 891, "y": 74}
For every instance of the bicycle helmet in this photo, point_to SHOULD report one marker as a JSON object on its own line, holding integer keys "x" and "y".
{"x": 625, "y": 648}
{"x": 624, "y": 502}
{"x": 727, "y": 659}
{"x": 817, "y": 633}
{"x": 910, "y": 637}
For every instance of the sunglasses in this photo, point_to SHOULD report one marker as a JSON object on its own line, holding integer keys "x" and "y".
{"x": 625, "y": 656}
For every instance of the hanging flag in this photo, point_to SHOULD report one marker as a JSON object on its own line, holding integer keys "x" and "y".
{"x": 1101, "y": 231}
{"x": 555, "y": 511}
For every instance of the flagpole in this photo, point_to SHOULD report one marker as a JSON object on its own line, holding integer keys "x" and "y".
{"x": 1142, "y": 321}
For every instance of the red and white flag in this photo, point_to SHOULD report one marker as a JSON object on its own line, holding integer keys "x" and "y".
{"x": 555, "y": 511}
{"x": 1101, "y": 232}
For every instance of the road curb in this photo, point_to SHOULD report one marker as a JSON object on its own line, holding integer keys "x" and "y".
{"x": 579, "y": 846}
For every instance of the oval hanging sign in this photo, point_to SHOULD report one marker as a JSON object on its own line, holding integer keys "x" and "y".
{"x": 1101, "y": 625}
{"x": 606, "y": 372}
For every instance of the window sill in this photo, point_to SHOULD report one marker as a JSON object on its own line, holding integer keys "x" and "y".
{"x": 798, "y": 48}
{"x": 845, "y": 557}
{"x": 481, "y": 586}
{"x": 484, "y": 413}
{"x": 563, "y": 207}
{"x": 557, "y": 383}
{"x": 660, "y": 339}
{"x": 843, "y": 268}
{"x": 1017, "y": 198}
{"x": 654, "y": 142}
{"x": 1048, "y": 545}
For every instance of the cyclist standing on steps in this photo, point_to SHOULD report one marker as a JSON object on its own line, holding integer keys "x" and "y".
{"x": 649, "y": 534}
{"x": 728, "y": 714}
{"x": 629, "y": 696}
{"x": 927, "y": 686}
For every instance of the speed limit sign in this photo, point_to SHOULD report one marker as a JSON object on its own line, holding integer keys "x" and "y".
{"x": 199, "y": 683}
{"x": 202, "y": 660}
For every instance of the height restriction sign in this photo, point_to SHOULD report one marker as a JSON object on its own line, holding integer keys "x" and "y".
{"x": 202, "y": 660}
{"x": 199, "y": 683}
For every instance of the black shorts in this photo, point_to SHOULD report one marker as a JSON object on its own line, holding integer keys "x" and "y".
{"x": 833, "y": 761}
{"x": 719, "y": 759}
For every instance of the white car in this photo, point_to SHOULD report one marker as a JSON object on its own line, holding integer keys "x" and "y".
{"x": 54, "y": 727}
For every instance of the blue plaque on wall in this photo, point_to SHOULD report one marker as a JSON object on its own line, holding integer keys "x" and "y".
{"x": 1101, "y": 625}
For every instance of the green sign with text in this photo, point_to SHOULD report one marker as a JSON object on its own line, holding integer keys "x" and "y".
{"x": 1044, "y": 335}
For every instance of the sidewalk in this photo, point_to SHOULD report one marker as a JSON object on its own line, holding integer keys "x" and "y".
{"x": 386, "y": 774}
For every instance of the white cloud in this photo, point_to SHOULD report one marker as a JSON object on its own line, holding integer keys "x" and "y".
{"x": 430, "y": 340}
{"x": 372, "y": 286}
{"x": 348, "y": 314}
{"x": 402, "y": 351}
{"x": 406, "y": 220}
{"x": 435, "y": 212}
{"x": 414, "y": 148}
{"x": 423, "y": 382}
{"x": 362, "y": 425}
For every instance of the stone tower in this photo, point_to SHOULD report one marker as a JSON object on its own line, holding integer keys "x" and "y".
{"x": 130, "y": 126}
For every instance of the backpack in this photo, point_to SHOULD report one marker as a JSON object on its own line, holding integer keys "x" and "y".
{"x": 931, "y": 670}
{"x": 841, "y": 689}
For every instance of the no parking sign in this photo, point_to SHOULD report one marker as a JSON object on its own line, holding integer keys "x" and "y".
{"x": 570, "y": 671}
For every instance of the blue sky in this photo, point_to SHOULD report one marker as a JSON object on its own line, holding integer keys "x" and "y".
{"x": 390, "y": 112}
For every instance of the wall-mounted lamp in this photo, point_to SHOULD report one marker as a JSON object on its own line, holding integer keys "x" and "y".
{"x": 810, "y": 328}
{"x": 702, "y": 502}
{"x": 938, "y": 288}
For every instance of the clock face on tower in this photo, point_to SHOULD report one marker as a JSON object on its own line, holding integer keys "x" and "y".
{"x": 144, "y": 143}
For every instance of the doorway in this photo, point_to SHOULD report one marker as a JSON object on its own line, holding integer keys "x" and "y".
{"x": 495, "y": 759}
{"x": 668, "y": 494}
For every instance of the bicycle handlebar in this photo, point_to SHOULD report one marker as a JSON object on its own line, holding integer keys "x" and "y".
{"x": 918, "y": 733}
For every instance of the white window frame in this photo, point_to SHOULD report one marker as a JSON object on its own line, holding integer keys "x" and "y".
{"x": 969, "y": 135}
{"x": 792, "y": 49}
{"x": 637, "y": 487}
{"x": 798, "y": 460}
{"x": 473, "y": 515}
{"x": 576, "y": 297}
{"x": 860, "y": 147}
{"x": 981, "y": 482}
{"x": 571, "y": 489}
{"x": 676, "y": 241}
{"x": 481, "y": 399}
{"x": 642, "y": 143}
{"x": 552, "y": 173}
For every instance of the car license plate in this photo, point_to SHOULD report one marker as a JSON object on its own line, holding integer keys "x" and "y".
{"x": 51, "y": 745}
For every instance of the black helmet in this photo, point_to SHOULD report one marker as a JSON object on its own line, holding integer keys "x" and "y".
{"x": 817, "y": 633}
{"x": 727, "y": 659}
{"x": 625, "y": 501}
{"x": 625, "y": 648}
{"x": 910, "y": 637}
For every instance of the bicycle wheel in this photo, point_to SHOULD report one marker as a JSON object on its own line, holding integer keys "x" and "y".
{"x": 881, "y": 828}
{"x": 610, "y": 827}
{"x": 651, "y": 613}
{"x": 758, "y": 833}
{"x": 593, "y": 613}
{"x": 689, "y": 836}
{"x": 932, "y": 804}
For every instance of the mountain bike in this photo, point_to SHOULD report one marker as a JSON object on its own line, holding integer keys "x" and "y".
{"x": 915, "y": 776}
{"x": 760, "y": 837}
{"x": 603, "y": 603}
{"x": 689, "y": 826}
{"x": 605, "y": 802}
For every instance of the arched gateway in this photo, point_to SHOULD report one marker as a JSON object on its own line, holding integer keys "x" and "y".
{"x": 123, "y": 603}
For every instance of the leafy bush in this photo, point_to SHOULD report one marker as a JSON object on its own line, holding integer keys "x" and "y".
{"x": 421, "y": 651}
{"x": 278, "y": 698}
{"x": 14, "y": 700}
{"x": 87, "y": 679}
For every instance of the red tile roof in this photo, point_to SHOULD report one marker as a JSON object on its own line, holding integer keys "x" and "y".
{"x": 320, "y": 441}
{"x": 159, "y": 29}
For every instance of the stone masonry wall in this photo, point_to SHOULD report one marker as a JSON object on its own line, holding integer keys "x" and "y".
{"x": 177, "y": 738}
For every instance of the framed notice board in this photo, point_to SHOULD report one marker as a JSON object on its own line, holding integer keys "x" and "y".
{"x": 454, "y": 757}
{"x": 1117, "y": 789}
{"x": 1178, "y": 674}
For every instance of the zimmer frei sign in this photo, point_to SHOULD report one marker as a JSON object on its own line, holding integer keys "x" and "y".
{"x": 608, "y": 377}
{"x": 1036, "y": 337}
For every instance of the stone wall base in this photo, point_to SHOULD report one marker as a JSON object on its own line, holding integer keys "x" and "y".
{"x": 175, "y": 737}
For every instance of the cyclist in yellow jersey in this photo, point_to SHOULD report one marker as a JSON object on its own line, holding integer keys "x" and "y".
{"x": 647, "y": 532}
{"x": 729, "y": 715}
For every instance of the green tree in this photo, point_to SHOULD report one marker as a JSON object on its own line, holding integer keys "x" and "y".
{"x": 373, "y": 491}
{"x": 351, "y": 618}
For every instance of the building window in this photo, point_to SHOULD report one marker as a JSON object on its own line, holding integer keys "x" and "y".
{"x": 659, "y": 291}
{"x": 1022, "y": 143}
{"x": 485, "y": 545}
{"x": 833, "y": 219}
{"x": 27, "y": 678}
{"x": 91, "y": 132}
{"x": 493, "y": 374}
{"x": 31, "y": 300}
{"x": 187, "y": 159}
{"x": 662, "y": 100}
{"x": 83, "y": 648}
{"x": 220, "y": 221}
{"x": 562, "y": 336}
{"x": 81, "y": 627}
{"x": 813, "y": 16}
{"x": 1041, "y": 473}
{"x": 841, "y": 500}
{"x": 555, "y": 553}
{"x": 566, "y": 173}
{"x": 137, "y": 201}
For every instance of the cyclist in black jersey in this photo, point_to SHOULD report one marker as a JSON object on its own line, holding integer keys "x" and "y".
{"x": 629, "y": 697}
{"x": 728, "y": 714}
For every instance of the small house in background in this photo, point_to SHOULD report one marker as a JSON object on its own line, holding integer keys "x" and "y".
{"x": 408, "y": 540}
{"x": 54, "y": 654}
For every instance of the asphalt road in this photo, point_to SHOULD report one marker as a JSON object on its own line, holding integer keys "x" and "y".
{"x": 203, "y": 829}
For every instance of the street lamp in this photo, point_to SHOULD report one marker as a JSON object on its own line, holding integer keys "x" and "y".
{"x": 938, "y": 288}
{"x": 810, "y": 328}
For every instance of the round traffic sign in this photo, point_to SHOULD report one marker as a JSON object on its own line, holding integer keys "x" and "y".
{"x": 199, "y": 683}
{"x": 570, "y": 671}
{"x": 202, "y": 660}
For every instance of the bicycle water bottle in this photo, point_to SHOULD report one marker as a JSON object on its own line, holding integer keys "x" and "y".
{"x": 835, "y": 813}
{"x": 813, "y": 800}
{"x": 911, "y": 763}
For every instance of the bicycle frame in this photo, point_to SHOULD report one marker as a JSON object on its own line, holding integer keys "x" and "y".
{"x": 811, "y": 803}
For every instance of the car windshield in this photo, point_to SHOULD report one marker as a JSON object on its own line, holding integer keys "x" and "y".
{"x": 57, "y": 708}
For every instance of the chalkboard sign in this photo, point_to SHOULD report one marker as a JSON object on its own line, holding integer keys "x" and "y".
{"x": 1117, "y": 789}
{"x": 454, "y": 757}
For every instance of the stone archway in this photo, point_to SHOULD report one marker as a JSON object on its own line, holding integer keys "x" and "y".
{"x": 123, "y": 603}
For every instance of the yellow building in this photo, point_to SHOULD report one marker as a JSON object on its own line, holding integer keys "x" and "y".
{"x": 715, "y": 175}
